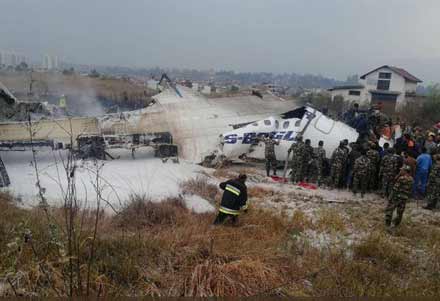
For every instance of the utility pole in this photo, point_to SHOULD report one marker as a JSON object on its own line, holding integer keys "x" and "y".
{"x": 31, "y": 83}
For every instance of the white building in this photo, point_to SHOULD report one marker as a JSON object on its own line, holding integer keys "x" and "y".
{"x": 153, "y": 84}
{"x": 206, "y": 90}
{"x": 195, "y": 87}
{"x": 10, "y": 58}
{"x": 50, "y": 62}
{"x": 388, "y": 85}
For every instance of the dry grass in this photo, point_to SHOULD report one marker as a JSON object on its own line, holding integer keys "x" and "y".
{"x": 224, "y": 173}
{"x": 200, "y": 186}
{"x": 142, "y": 212}
{"x": 162, "y": 249}
{"x": 379, "y": 249}
{"x": 260, "y": 192}
{"x": 330, "y": 220}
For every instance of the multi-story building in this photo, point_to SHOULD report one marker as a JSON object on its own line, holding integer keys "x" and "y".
{"x": 50, "y": 62}
{"x": 391, "y": 86}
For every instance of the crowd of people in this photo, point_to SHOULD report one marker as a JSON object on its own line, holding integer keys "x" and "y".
{"x": 410, "y": 169}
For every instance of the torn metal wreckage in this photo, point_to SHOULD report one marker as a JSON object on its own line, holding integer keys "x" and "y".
{"x": 200, "y": 128}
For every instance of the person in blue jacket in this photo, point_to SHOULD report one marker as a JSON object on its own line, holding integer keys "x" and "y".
{"x": 424, "y": 164}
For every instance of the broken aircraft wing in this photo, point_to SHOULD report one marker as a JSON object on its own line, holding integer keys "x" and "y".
{"x": 196, "y": 122}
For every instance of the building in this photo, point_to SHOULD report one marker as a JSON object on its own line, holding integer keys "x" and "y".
{"x": 206, "y": 90}
{"x": 10, "y": 58}
{"x": 391, "y": 86}
{"x": 50, "y": 62}
{"x": 153, "y": 84}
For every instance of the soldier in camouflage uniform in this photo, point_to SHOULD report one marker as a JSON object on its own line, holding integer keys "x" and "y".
{"x": 269, "y": 154}
{"x": 320, "y": 159}
{"x": 307, "y": 161}
{"x": 338, "y": 162}
{"x": 387, "y": 171}
{"x": 401, "y": 193}
{"x": 298, "y": 150}
{"x": 360, "y": 173}
{"x": 433, "y": 189}
{"x": 374, "y": 157}
{"x": 346, "y": 170}
{"x": 352, "y": 156}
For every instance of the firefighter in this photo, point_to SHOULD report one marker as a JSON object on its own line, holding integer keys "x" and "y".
{"x": 234, "y": 199}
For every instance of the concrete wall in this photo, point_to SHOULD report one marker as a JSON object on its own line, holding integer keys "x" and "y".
{"x": 397, "y": 81}
{"x": 58, "y": 130}
{"x": 345, "y": 93}
{"x": 410, "y": 87}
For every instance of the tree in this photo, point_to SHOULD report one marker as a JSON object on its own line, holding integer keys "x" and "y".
{"x": 69, "y": 71}
{"x": 352, "y": 79}
{"x": 22, "y": 67}
{"x": 431, "y": 107}
{"x": 94, "y": 73}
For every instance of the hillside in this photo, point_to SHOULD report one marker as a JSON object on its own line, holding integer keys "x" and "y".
{"x": 49, "y": 86}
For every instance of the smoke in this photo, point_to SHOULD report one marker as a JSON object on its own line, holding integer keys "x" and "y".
{"x": 85, "y": 104}
{"x": 80, "y": 93}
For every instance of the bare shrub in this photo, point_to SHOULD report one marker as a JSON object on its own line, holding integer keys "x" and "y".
{"x": 201, "y": 187}
{"x": 140, "y": 211}
{"x": 224, "y": 173}
{"x": 238, "y": 278}
{"x": 260, "y": 192}
{"x": 379, "y": 248}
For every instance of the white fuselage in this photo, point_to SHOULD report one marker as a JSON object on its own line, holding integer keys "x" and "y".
{"x": 243, "y": 140}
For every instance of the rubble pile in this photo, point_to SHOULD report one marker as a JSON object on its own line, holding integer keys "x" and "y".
{"x": 13, "y": 110}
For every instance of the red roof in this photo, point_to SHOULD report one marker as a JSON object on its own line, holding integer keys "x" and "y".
{"x": 408, "y": 76}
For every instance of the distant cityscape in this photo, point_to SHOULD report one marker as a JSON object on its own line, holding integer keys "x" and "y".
{"x": 205, "y": 81}
{"x": 12, "y": 59}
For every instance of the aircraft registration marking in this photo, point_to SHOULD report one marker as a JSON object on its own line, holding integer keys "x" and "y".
{"x": 251, "y": 137}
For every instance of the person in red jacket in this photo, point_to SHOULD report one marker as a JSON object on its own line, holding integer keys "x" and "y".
{"x": 234, "y": 199}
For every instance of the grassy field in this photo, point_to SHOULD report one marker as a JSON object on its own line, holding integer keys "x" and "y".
{"x": 163, "y": 249}
{"x": 47, "y": 83}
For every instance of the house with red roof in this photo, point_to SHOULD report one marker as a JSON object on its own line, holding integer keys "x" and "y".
{"x": 388, "y": 86}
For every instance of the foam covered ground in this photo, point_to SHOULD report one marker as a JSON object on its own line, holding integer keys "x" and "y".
{"x": 120, "y": 178}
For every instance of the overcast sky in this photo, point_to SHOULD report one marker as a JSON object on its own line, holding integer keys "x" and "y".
{"x": 329, "y": 37}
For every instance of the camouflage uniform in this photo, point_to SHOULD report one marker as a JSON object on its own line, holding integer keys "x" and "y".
{"x": 374, "y": 157}
{"x": 387, "y": 173}
{"x": 269, "y": 155}
{"x": 298, "y": 150}
{"x": 320, "y": 159}
{"x": 307, "y": 162}
{"x": 352, "y": 156}
{"x": 346, "y": 168}
{"x": 360, "y": 174}
{"x": 339, "y": 159}
{"x": 401, "y": 193}
{"x": 433, "y": 190}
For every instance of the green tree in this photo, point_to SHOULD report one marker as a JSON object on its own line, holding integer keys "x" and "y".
{"x": 94, "y": 74}
{"x": 431, "y": 106}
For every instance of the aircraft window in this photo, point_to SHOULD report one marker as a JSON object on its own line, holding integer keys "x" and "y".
{"x": 267, "y": 122}
{"x": 297, "y": 123}
{"x": 277, "y": 124}
{"x": 285, "y": 124}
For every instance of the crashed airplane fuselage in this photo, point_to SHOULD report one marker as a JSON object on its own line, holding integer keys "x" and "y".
{"x": 196, "y": 122}
{"x": 309, "y": 122}
{"x": 201, "y": 127}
